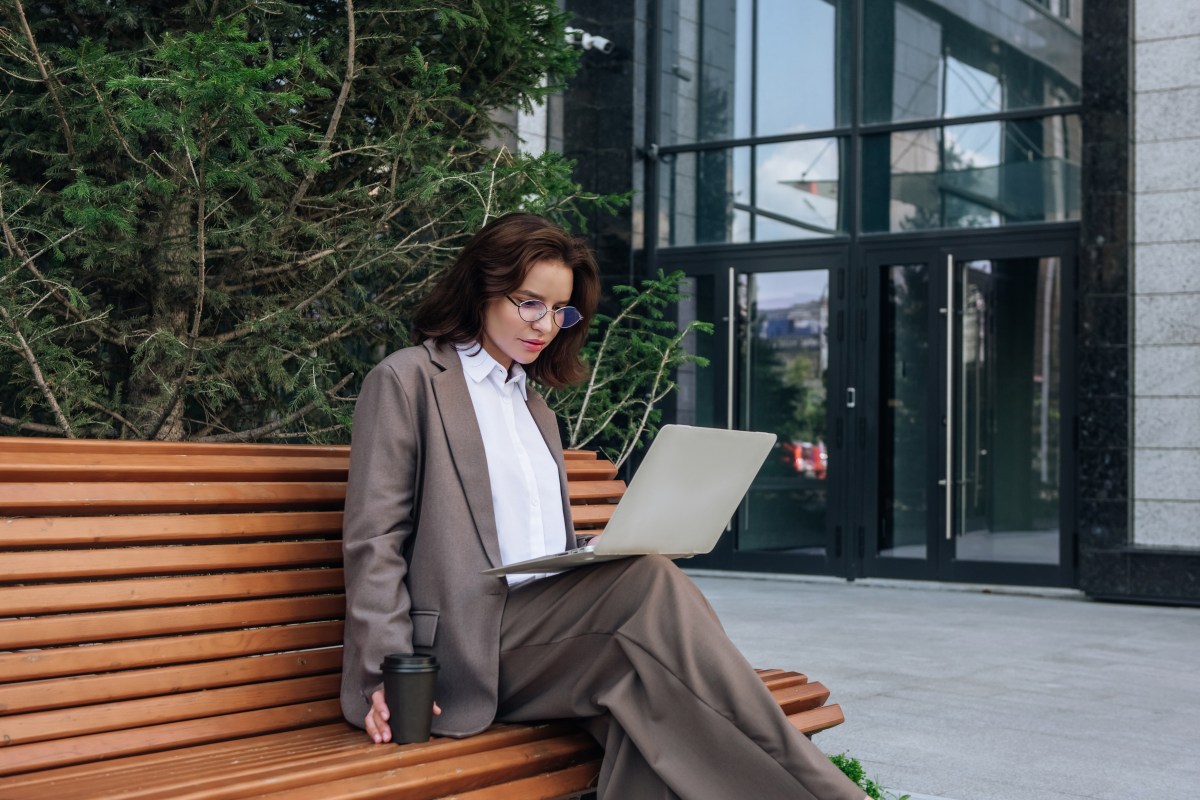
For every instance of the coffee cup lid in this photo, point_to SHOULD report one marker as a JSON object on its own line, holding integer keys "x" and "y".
{"x": 404, "y": 662}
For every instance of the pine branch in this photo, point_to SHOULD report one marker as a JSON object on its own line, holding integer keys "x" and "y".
{"x": 101, "y": 332}
{"x": 38, "y": 378}
{"x": 336, "y": 116}
{"x": 270, "y": 428}
{"x": 51, "y": 83}
{"x": 106, "y": 410}
{"x": 32, "y": 427}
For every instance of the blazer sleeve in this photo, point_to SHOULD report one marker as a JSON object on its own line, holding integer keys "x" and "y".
{"x": 378, "y": 519}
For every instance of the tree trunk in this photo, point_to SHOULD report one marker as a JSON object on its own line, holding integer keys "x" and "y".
{"x": 156, "y": 399}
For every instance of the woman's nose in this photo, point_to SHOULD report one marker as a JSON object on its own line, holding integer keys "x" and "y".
{"x": 544, "y": 324}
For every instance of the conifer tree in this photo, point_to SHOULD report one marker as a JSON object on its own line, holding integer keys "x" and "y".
{"x": 215, "y": 216}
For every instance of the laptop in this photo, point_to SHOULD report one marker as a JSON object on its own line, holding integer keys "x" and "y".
{"x": 678, "y": 502}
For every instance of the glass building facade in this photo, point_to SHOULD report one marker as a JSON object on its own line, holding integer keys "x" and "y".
{"x": 909, "y": 223}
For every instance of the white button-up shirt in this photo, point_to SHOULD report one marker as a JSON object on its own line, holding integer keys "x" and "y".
{"x": 526, "y": 495}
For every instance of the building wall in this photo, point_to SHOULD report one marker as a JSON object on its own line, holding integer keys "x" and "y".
{"x": 1166, "y": 270}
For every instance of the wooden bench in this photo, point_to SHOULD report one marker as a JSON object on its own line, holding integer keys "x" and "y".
{"x": 171, "y": 626}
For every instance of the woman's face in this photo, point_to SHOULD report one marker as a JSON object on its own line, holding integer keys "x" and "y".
{"x": 507, "y": 337}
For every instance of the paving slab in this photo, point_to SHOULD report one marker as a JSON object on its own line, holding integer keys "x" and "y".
{"x": 985, "y": 693}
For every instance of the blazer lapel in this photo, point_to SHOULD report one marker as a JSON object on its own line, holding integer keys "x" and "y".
{"x": 466, "y": 444}
{"x": 547, "y": 423}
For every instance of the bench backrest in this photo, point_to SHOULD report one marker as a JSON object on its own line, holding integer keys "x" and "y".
{"x": 154, "y": 595}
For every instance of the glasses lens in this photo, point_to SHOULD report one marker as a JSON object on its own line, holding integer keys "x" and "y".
{"x": 567, "y": 316}
{"x": 532, "y": 310}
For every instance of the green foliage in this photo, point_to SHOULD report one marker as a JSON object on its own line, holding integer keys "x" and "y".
{"x": 853, "y": 769}
{"x": 215, "y": 217}
{"x": 633, "y": 356}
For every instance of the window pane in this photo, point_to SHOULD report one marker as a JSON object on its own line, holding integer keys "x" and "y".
{"x": 708, "y": 194}
{"x": 696, "y": 390}
{"x": 783, "y": 378}
{"x": 802, "y": 66}
{"x": 1007, "y": 415}
{"x": 796, "y": 185}
{"x": 928, "y": 61}
{"x": 737, "y": 68}
{"x": 904, "y": 413}
{"x": 969, "y": 176}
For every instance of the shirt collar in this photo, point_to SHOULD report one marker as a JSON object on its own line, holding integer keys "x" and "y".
{"x": 479, "y": 365}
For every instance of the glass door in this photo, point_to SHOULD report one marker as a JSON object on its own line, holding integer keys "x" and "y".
{"x": 966, "y": 376}
{"x": 776, "y": 365}
{"x": 783, "y": 387}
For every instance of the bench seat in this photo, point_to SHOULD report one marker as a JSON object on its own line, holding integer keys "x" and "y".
{"x": 171, "y": 625}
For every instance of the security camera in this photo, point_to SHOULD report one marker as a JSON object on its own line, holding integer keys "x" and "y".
{"x": 591, "y": 42}
{"x": 587, "y": 41}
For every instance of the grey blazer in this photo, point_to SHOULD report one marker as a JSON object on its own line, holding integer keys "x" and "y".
{"x": 418, "y": 530}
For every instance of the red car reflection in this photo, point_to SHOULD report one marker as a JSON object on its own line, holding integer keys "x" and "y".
{"x": 806, "y": 458}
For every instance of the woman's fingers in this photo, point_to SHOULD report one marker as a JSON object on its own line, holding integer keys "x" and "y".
{"x": 376, "y": 720}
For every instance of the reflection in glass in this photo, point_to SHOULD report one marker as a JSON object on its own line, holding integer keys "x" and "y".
{"x": 796, "y": 189}
{"x": 695, "y": 388}
{"x": 740, "y": 68}
{"x": 707, "y": 196}
{"x": 969, "y": 176}
{"x": 904, "y": 413}
{"x": 1007, "y": 417}
{"x": 797, "y": 61}
{"x": 794, "y": 193}
{"x": 938, "y": 60}
{"x": 784, "y": 372}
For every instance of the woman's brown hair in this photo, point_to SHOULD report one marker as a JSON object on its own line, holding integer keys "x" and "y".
{"x": 494, "y": 263}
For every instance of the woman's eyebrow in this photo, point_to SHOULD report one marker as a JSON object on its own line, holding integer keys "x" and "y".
{"x": 535, "y": 296}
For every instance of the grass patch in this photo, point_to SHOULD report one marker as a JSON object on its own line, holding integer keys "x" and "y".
{"x": 855, "y": 772}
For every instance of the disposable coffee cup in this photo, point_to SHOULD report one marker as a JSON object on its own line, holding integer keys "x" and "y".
{"x": 408, "y": 685}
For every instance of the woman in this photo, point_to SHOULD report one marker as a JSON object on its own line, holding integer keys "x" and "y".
{"x": 456, "y": 466}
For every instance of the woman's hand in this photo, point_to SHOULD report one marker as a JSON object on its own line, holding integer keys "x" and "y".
{"x": 376, "y": 720}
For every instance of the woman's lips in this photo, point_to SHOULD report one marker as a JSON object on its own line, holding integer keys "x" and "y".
{"x": 533, "y": 345}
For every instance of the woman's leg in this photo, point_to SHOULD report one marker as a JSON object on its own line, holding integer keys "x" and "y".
{"x": 634, "y": 647}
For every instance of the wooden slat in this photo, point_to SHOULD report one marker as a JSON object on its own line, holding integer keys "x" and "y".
{"x": 26, "y": 499}
{"x": 580, "y": 455}
{"x": 592, "y": 470}
{"x": 25, "y": 665}
{"x": 167, "y": 528}
{"x": 34, "y": 444}
{"x": 44, "y": 755}
{"x": 17, "y": 600}
{"x": 193, "y": 771}
{"x": 779, "y": 679}
{"x": 592, "y": 516}
{"x": 296, "y": 770}
{"x": 171, "y": 560}
{"x": 96, "y": 467}
{"x": 148, "y": 772}
{"x": 62, "y": 724}
{"x": 594, "y": 490}
{"x": 59, "y": 629}
{"x": 800, "y": 698}
{"x": 437, "y": 779}
{"x": 24, "y": 698}
{"x": 251, "y": 767}
{"x": 817, "y": 720}
{"x": 547, "y": 786}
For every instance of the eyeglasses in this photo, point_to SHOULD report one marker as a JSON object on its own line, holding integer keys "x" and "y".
{"x": 533, "y": 310}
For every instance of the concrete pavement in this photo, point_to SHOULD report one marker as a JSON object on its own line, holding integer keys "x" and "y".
{"x": 997, "y": 694}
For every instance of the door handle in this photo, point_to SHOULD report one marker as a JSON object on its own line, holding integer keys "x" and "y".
{"x": 851, "y": 397}
{"x": 947, "y": 482}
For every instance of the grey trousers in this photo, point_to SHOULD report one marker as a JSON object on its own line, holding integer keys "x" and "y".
{"x": 633, "y": 652}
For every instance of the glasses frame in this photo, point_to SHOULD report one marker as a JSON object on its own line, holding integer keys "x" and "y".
{"x": 523, "y": 304}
